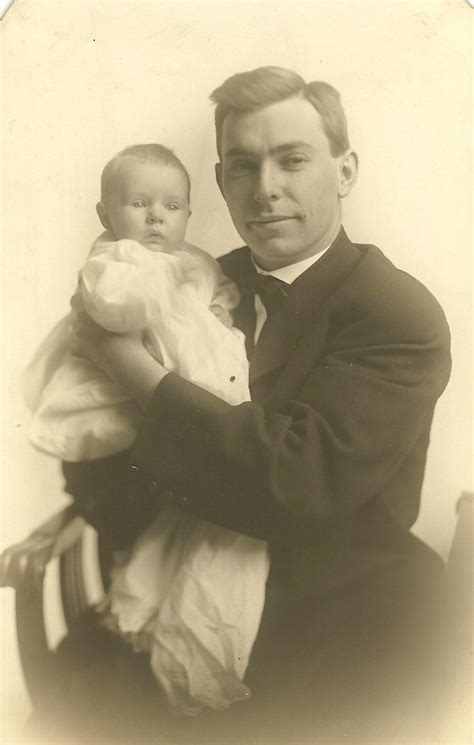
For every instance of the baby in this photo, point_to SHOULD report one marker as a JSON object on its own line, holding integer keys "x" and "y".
{"x": 189, "y": 592}
{"x": 140, "y": 275}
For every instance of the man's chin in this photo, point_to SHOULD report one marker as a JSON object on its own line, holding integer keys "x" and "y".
{"x": 273, "y": 254}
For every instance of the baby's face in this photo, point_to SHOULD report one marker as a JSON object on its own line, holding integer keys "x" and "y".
{"x": 148, "y": 202}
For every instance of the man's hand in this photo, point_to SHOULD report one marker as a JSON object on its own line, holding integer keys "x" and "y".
{"x": 122, "y": 357}
{"x": 103, "y": 348}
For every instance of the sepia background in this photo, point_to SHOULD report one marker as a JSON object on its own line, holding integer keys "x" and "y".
{"x": 84, "y": 79}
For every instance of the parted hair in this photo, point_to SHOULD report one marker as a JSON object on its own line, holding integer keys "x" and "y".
{"x": 152, "y": 151}
{"x": 247, "y": 91}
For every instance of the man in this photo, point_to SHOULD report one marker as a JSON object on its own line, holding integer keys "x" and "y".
{"x": 348, "y": 356}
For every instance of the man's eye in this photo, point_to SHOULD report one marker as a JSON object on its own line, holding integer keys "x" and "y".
{"x": 240, "y": 166}
{"x": 139, "y": 203}
{"x": 294, "y": 161}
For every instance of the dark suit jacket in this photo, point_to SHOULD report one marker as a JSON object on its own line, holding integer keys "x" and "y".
{"x": 326, "y": 463}
{"x": 344, "y": 384}
{"x": 344, "y": 381}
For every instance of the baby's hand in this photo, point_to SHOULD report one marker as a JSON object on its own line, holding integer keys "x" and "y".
{"x": 222, "y": 315}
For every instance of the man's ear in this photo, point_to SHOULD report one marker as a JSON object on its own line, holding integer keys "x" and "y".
{"x": 218, "y": 170}
{"x": 348, "y": 167}
{"x": 102, "y": 213}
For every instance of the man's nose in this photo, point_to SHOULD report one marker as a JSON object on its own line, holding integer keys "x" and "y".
{"x": 268, "y": 186}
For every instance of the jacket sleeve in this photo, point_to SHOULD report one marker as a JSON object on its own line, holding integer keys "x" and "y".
{"x": 107, "y": 496}
{"x": 359, "y": 412}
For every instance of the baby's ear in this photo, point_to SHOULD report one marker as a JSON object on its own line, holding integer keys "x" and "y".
{"x": 102, "y": 213}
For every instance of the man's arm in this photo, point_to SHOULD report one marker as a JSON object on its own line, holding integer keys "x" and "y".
{"x": 318, "y": 457}
{"x": 121, "y": 356}
{"x": 359, "y": 412}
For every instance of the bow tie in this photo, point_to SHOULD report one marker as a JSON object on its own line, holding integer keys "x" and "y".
{"x": 271, "y": 291}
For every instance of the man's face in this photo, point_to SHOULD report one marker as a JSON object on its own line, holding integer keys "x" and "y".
{"x": 280, "y": 181}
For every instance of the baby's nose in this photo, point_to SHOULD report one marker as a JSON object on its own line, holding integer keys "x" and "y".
{"x": 155, "y": 215}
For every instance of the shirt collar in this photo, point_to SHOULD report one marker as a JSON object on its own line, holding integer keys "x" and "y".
{"x": 290, "y": 273}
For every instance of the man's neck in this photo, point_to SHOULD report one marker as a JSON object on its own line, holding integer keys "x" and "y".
{"x": 291, "y": 272}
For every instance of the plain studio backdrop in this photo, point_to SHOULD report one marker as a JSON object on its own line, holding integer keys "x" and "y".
{"x": 85, "y": 79}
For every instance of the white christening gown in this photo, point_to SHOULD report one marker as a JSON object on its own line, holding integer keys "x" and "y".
{"x": 189, "y": 592}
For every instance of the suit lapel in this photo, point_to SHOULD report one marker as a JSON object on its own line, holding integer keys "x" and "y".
{"x": 315, "y": 286}
{"x": 290, "y": 334}
{"x": 245, "y": 320}
{"x": 274, "y": 345}
{"x": 288, "y": 337}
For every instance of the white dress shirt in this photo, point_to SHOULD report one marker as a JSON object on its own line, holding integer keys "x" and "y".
{"x": 286, "y": 274}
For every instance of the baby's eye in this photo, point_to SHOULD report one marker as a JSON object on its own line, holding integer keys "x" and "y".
{"x": 173, "y": 207}
{"x": 139, "y": 203}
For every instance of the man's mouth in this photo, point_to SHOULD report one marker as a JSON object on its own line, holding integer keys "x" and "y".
{"x": 270, "y": 220}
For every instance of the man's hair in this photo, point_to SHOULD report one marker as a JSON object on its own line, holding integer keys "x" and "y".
{"x": 263, "y": 86}
{"x": 152, "y": 152}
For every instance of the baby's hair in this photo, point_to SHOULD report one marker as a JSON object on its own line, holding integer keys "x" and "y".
{"x": 153, "y": 152}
